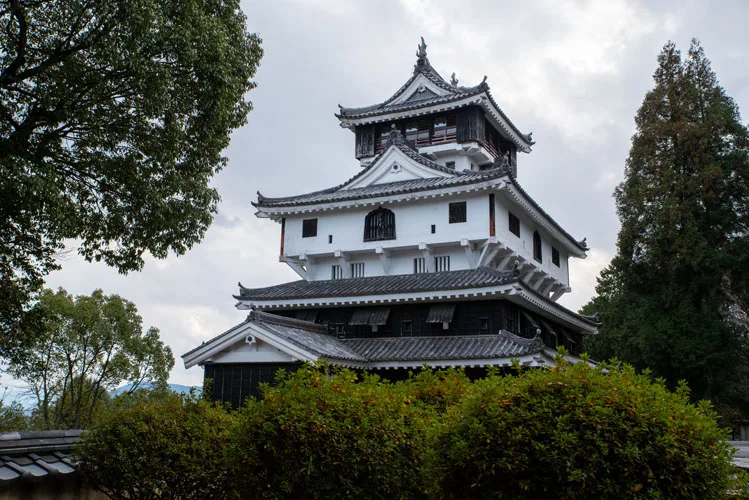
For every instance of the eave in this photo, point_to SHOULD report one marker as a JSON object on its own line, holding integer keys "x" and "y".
{"x": 483, "y": 99}
{"x": 515, "y": 291}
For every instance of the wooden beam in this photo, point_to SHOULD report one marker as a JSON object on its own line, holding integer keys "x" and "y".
{"x": 470, "y": 253}
{"x": 384, "y": 254}
{"x": 428, "y": 259}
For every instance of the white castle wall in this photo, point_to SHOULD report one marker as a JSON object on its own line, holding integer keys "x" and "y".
{"x": 413, "y": 227}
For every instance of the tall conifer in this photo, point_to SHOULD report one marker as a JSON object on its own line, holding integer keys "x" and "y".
{"x": 674, "y": 297}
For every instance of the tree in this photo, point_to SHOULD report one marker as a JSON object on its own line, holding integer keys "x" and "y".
{"x": 113, "y": 117}
{"x": 87, "y": 346}
{"x": 674, "y": 298}
{"x": 12, "y": 417}
{"x": 158, "y": 444}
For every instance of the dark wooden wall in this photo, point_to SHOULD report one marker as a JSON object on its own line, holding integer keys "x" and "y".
{"x": 480, "y": 317}
{"x": 233, "y": 383}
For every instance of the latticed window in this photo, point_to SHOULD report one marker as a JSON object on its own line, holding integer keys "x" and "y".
{"x": 357, "y": 269}
{"x": 457, "y": 212}
{"x": 309, "y": 228}
{"x": 514, "y": 224}
{"x": 555, "y": 256}
{"x": 379, "y": 225}
{"x": 442, "y": 263}
{"x": 336, "y": 272}
{"x": 420, "y": 265}
{"x": 537, "y": 252}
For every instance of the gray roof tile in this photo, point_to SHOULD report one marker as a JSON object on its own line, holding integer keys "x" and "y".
{"x": 35, "y": 455}
{"x": 503, "y": 345}
{"x": 363, "y": 352}
{"x": 375, "y": 285}
{"x": 396, "y": 140}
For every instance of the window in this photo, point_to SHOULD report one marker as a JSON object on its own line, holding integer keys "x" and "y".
{"x": 450, "y": 164}
{"x": 336, "y": 272}
{"x": 483, "y": 325}
{"x": 357, "y": 269}
{"x": 330, "y": 238}
{"x": 514, "y": 225}
{"x": 379, "y": 224}
{"x": 442, "y": 263}
{"x": 537, "y": 252}
{"x": 406, "y": 328}
{"x": 555, "y": 256}
{"x": 420, "y": 265}
{"x": 457, "y": 212}
{"x": 309, "y": 228}
{"x": 423, "y": 132}
{"x": 444, "y": 128}
{"x": 434, "y": 228}
{"x": 340, "y": 330}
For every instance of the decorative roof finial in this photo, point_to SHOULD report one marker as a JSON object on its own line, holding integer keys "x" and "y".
{"x": 421, "y": 55}
{"x": 453, "y": 80}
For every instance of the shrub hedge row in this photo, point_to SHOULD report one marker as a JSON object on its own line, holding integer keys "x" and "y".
{"x": 571, "y": 432}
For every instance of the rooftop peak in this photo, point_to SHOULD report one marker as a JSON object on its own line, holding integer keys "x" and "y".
{"x": 421, "y": 56}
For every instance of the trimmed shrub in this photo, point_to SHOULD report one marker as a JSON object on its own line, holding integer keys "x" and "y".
{"x": 158, "y": 445}
{"x": 328, "y": 434}
{"x": 578, "y": 432}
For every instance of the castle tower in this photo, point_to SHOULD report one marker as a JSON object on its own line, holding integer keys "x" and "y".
{"x": 432, "y": 254}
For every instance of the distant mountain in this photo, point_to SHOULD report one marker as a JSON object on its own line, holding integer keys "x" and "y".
{"x": 179, "y": 389}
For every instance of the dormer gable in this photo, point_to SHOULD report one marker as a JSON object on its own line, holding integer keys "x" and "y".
{"x": 400, "y": 161}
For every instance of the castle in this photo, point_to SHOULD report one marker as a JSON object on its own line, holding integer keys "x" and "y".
{"x": 433, "y": 254}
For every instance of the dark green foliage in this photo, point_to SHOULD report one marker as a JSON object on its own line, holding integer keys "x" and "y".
{"x": 84, "y": 347}
{"x": 573, "y": 432}
{"x": 12, "y": 417}
{"x": 674, "y": 298}
{"x": 113, "y": 117}
{"x": 577, "y": 432}
{"x": 328, "y": 435}
{"x": 150, "y": 445}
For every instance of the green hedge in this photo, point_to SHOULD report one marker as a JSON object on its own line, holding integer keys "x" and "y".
{"x": 158, "y": 445}
{"x": 327, "y": 435}
{"x": 577, "y": 432}
{"x": 567, "y": 432}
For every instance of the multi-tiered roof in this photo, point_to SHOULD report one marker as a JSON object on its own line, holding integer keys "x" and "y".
{"x": 427, "y": 93}
{"x": 470, "y": 278}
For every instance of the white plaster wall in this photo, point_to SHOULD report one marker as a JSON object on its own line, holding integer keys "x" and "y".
{"x": 523, "y": 245}
{"x": 412, "y": 226}
{"x": 401, "y": 262}
{"x": 259, "y": 352}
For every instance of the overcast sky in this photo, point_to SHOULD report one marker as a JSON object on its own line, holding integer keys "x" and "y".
{"x": 573, "y": 73}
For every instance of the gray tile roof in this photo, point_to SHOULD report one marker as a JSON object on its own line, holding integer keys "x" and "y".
{"x": 309, "y": 336}
{"x": 502, "y": 345}
{"x": 376, "y": 285}
{"x": 36, "y": 455}
{"x": 741, "y": 456}
{"x": 314, "y": 339}
{"x": 396, "y": 139}
{"x": 454, "y": 93}
{"x": 465, "y": 177}
{"x": 384, "y": 108}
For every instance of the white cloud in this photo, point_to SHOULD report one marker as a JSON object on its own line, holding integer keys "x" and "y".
{"x": 574, "y": 72}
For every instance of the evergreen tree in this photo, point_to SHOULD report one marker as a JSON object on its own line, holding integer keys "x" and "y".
{"x": 674, "y": 297}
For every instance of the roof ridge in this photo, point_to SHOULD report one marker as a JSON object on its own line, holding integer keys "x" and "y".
{"x": 276, "y": 319}
{"x": 395, "y": 139}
